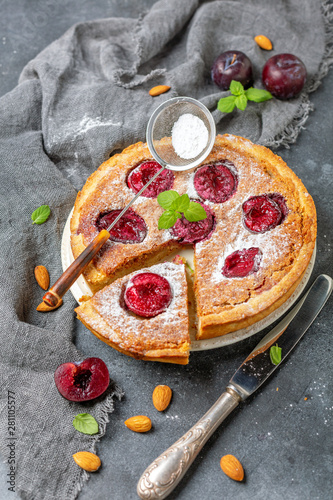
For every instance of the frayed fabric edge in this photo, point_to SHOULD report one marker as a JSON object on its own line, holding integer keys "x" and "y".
{"x": 107, "y": 407}
{"x": 290, "y": 133}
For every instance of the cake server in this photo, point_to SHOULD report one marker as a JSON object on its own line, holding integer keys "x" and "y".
{"x": 161, "y": 477}
{"x": 159, "y": 125}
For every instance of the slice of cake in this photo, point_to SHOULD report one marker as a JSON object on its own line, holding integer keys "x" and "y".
{"x": 144, "y": 314}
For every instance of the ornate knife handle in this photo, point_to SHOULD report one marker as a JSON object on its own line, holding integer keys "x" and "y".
{"x": 163, "y": 475}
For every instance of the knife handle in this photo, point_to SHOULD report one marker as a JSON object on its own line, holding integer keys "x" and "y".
{"x": 163, "y": 475}
{"x": 66, "y": 280}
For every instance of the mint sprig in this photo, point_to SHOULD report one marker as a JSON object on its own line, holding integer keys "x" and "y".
{"x": 275, "y": 353}
{"x": 85, "y": 423}
{"x": 240, "y": 97}
{"x": 175, "y": 205}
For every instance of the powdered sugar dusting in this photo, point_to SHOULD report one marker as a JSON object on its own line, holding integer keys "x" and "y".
{"x": 244, "y": 240}
{"x": 109, "y": 304}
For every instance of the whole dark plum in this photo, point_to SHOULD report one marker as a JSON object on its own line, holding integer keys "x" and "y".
{"x": 232, "y": 65}
{"x": 284, "y": 76}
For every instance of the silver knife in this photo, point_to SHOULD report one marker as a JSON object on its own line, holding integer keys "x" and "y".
{"x": 163, "y": 475}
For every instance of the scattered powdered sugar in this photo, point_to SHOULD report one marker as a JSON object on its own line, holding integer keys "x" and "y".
{"x": 189, "y": 136}
{"x": 77, "y": 129}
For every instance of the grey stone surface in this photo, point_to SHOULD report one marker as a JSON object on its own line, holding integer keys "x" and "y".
{"x": 284, "y": 441}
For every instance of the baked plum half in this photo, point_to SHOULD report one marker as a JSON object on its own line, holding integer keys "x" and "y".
{"x": 241, "y": 263}
{"x": 142, "y": 174}
{"x": 264, "y": 212}
{"x": 148, "y": 294}
{"x": 217, "y": 182}
{"x": 193, "y": 232}
{"x": 131, "y": 228}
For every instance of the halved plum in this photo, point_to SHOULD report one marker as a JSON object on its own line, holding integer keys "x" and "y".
{"x": 131, "y": 228}
{"x": 148, "y": 294}
{"x": 139, "y": 177}
{"x": 264, "y": 212}
{"x": 192, "y": 232}
{"x": 242, "y": 263}
{"x": 82, "y": 381}
{"x": 216, "y": 182}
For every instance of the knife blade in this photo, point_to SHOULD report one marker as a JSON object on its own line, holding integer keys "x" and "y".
{"x": 163, "y": 475}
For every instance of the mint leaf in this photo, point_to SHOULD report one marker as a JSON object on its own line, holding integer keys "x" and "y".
{"x": 275, "y": 354}
{"x": 85, "y": 423}
{"x": 236, "y": 88}
{"x": 241, "y": 102}
{"x": 166, "y": 198}
{"x": 195, "y": 212}
{"x": 241, "y": 96}
{"x": 41, "y": 214}
{"x": 168, "y": 219}
{"x": 181, "y": 203}
{"x": 258, "y": 95}
{"x": 226, "y": 104}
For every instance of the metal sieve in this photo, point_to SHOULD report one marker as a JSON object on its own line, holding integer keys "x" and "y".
{"x": 161, "y": 123}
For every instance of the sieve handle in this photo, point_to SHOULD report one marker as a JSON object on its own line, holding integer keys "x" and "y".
{"x": 66, "y": 280}
{"x": 139, "y": 193}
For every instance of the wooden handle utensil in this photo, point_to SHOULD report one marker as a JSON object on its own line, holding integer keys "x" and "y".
{"x": 66, "y": 280}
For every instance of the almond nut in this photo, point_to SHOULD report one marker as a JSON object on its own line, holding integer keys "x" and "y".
{"x": 139, "y": 423}
{"x": 263, "y": 42}
{"x": 161, "y": 397}
{"x": 42, "y": 277}
{"x": 158, "y": 90}
{"x": 232, "y": 467}
{"x": 87, "y": 460}
{"x": 45, "y": 308}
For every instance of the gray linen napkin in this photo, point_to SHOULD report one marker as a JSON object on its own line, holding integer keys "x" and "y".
{"x": 79, "y": 101}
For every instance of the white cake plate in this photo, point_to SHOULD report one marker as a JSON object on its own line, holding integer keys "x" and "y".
{"x": 81, "y": 288}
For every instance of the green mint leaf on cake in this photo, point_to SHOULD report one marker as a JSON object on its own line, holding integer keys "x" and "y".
{"x": 195, "y": 212}
{"x": 240, "y": 97}
{"x": 166, "y": 198}
{"x": 41, "y": 214}
{"x": 181, "y": 203}
{"x": 168, "y": 219}
{"x": 176, "y": 205}
{"x": 257, "y": 95}
{"x": 85, "y": 423}
{"x": 275, "y": 353}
